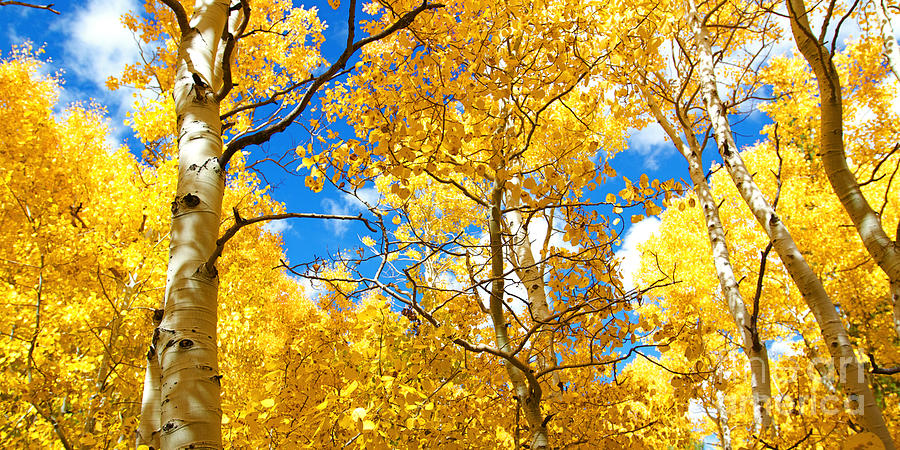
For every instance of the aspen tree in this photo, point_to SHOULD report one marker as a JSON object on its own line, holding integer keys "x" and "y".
{"x": 760, "y": 378}
{"x": 184, "y": 348}
{"x": 849, "y": 369}
{"x": 868, "y": 223}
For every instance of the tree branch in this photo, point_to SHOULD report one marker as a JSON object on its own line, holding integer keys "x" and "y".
{"x": 230, "y": 42}
{"x": 180, "y": 15}
{"x": 240, "y": 222}
{"x": 882, "y": 370}
{"x": 264, "y": 134}
{"x": 48, "y": 7}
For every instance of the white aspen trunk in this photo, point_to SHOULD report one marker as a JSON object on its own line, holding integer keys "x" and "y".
{"x": 891, "y": 50}
{"x": 760, "y": 378}
{"x": 722, "y": 418}
{"x": 532, "y": 277}
{"x": 148, "y": 428}
{"x": 527, "y": 395}
{"x": 185, "y": 341}
{"x": 850, "y": 372}
{"x": 834, "y": 158}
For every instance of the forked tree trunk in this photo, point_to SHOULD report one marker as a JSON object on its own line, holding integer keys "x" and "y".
{"x": 187, "y": 391}
{"x": 850, "y": 372}
{"x": 831, "y": 141}
{"x": 528, "y": 393}
{"x": 531, "y": 275}
{"x": 760, "y": 379}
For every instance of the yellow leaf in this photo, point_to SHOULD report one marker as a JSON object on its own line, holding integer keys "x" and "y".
{"x": 368, "y": 425}
{"x": 267, "y": 403}
{"x": 350, "y": 388}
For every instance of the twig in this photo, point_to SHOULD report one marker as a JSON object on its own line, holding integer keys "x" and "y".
{"x": 240, "y": 222}
{"x": 48, "y": 7}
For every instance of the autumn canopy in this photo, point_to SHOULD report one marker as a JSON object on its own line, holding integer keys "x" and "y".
{"x": 479, "y": 172}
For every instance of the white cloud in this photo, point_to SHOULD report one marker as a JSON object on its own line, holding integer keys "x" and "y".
{"x": 276, "y": 226}
{"x": 651, "y": 143}
{"x": 629, "y": 254}
{"x": 780, "y": 348}
{"x": 98, "y": 42}
{"x": 347, "y": 204}
{"x": 696, "y": 411}
{"x": 313, "y": 289}
{"x": 96, "y": 46}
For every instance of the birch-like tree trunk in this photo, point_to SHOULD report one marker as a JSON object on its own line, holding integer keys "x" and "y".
{"x": 186, "y": 390}
{"x": 722, "y": 421}
{"x": 527, "y": 391}
{"x": 531, "y": 275}
{"x": 850, "y": 372}
{"x": 760, "y": 379}
{"x": 831, "y": 142}
{"x": 891, "y": 49}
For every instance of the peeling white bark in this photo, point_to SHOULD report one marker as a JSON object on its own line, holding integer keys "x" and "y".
{"x": 722, "y": 419}
{"x": 891, "y": 50}
{"x": 850, "y": 372}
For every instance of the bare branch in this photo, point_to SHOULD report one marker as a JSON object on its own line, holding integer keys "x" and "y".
{"x": 230, "y": 42}
{"x": 882, "y": 370}
{"x": 240, "y": 222}
{"x": 48, "y": 7}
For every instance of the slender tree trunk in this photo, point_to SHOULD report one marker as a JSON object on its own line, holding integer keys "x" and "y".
{"x": 528, "y": 395}
{"x": 185, "y": 341}
{"x": 850, "y": 372}
{"x": 532, "y": 277}
{"x": 722, "y": 419}
{"x": 891, "y": 50}
{"x": 834, "y": 158}
{"x": 760, "y": 379}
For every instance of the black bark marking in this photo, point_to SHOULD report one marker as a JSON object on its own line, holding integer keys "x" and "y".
{"x": 186, "y": 343}
{"x": 191, "y": 200}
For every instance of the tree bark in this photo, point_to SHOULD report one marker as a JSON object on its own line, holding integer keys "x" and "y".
{"x": 185, "y": 341}
{"x": 850, "y": 372}
{"x": 891, "y": 50}
{"x": 531, "y": 275}
{"x": 831, "y": 141}
{"x": 722, "y": 419}
{"x": 760, "y": 379}
{"x": 528, "y": 394}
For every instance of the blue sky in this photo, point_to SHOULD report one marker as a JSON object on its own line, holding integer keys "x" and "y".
{"x": 87, "y": 43}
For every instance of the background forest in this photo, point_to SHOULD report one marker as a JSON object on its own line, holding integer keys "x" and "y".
{"x": 410, "y": 224}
